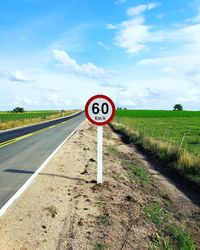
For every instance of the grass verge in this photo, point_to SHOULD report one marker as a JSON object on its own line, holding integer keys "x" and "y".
{"x": 174, "y": 158}
{"x": 171, "y": 236}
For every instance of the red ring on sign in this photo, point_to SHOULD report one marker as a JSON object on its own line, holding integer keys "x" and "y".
{"x": 103, "y": 97}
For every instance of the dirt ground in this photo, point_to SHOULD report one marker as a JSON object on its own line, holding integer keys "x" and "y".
{"x": 65, "y": 209}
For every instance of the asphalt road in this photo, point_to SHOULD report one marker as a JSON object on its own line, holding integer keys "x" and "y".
{"x": 19, "y": 160}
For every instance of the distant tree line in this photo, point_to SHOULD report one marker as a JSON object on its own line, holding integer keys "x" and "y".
{"x": 177, "y": 107}
{"x": 120, "y": 108}
{"x": 22, "y": 110}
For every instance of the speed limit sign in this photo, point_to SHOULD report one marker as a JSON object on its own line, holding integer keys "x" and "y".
{"x": 100, "y": 110}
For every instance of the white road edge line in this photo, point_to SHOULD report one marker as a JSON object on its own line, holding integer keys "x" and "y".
{"x": 28, "y": 182}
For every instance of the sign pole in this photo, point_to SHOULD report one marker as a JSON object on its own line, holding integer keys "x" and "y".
{"x": 99, "y": 153}
{"x": 100, "y": 110}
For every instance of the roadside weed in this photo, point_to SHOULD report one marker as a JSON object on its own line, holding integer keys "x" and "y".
{"x": 172, "y": 236}
{"x": 112, "y": 149}
{"x": 100, "y": 246}
{"x": 52, "y": 211}
{"x": 155, "y": 214}
{"x": 139, "y": 173}
{"x": 104, "y": 220}
{"x": 180, "y": 238}
{"x": 159, "y": 242}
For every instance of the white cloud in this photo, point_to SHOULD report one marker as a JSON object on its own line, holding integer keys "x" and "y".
{"x": 15, "y": 76}
{"x": 138, "y": 10}
{"x": 89, "y": 70}
{"x": 190, "y": 34}
{"x": 153, "y": 98}
{"x": 181, "y": 58}
{"x": 112, "y": 85}
{"x": 168, "y": 69}
{"x": 182, "y": 64}
{"x": 56, "y": 100}
{"x": 131, "y": 97}
{"x": 50, "y": 99}
{"x": 53, "y": 89}
{"x": 18, "y": 76}
{"x": 110, "y": 26}
{"x": 27, "y": 101}
{"x": 103, "y": 45}
{"x": 127, "y": 103}
{"x": 186, "y": 60}
{"x": 132, "y": 34}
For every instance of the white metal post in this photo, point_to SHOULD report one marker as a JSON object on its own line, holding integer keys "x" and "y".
{"x": 99, "y": 153}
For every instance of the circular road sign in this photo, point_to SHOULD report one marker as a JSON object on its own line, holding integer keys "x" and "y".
{"x": 100, "y": 110}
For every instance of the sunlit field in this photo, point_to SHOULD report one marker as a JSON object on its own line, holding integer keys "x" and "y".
{"x": 173, "y": 127}
{"x": 172, "y": 136}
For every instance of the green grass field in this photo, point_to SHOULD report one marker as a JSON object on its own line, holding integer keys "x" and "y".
{"x": 171, "y": 127}
{"x": 172, "y": 136}
{"x": 8, "y": 116}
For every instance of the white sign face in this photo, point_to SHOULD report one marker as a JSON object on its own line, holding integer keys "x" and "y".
{"x": 100, "y": 110}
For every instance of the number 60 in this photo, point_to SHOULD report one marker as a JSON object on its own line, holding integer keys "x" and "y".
{"x": 96, "y": 109}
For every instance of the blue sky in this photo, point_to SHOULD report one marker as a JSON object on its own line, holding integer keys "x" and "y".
{"x": 143, "y": 54}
